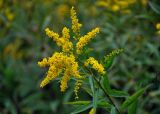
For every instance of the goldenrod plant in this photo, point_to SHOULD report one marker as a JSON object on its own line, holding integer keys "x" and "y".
{"x": 74, "y": 63}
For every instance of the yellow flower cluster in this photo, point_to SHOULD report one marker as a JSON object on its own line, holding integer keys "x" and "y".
{"x": 158, "y": 28}
{"x": 65, "y": 61}
{"x": 119, "y": 5}
{"x": 57, "y": 63}
{"x": 85, "y": 39}
{"x": 63, "y": 41}
{"x": 77, "y": 87}
{"x": 75, "y": 24}
{"x": 97, "y": 66}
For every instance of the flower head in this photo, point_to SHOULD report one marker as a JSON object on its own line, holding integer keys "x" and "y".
{"x": 65, "y": 62}
{"x": 75, "y": 24}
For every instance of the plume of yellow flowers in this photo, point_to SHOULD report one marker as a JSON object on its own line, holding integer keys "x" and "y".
{"x": 97, "y": 66}
{"x": 85, "y": 39}
{"x": 65, "y": 62}
{"x": 63, "y": 41}
{"x": 75, "y": 24}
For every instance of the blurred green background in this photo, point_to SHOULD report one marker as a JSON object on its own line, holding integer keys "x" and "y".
{"x": 130, "y": 25}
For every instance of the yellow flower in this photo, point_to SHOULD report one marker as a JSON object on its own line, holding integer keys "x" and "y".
{"x": 43, "y": 63}
{"x": 91, "y": 111}
{"x": 51, "y": 74}
{"x": 63, "y": 41}
{"x": 52, "y": 34}
{"x": 58, "y": 62}
{"x": 65, "y": 61}
{"x": 65, "y": 80}
{"x": 77, "y": 87}
{"x": 75, "y": 24}
{"x": 97, "y": 66}
{"x": 85, "y": 39}
{"x": 65, "y": 33}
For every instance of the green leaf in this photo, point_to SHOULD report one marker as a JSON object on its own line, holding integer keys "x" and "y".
{"x": 106, "y": 83}
{"x": 81, "y": 108}
{"x": 116, "y": 93}
{"x": 87, "y": 90}
{"x": 91, "y": 84}
{"x": 109, "y": 63}
{"x": 112, "y": 92}
{"x": 104, "y": 104}
{"x": 95, "y": 93}
{"x": 133, "y": 107}
{"x": 154, "y": 7}
{"x": 78, "y": 103}
{"x": 110, "y": 57}
{"x": 113, "y": 110}
{"x": 132, "y": 98}
{"x": 99, "y": 104}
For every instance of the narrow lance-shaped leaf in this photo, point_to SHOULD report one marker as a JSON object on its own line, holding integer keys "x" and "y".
{"x": 112, "y": 92}
{"x": 117, "y": 93}
{"x": 95, "y": 94}
{"x": 78, "y": 103}
{"x": 106, "y": 83}
{"x": 113, "y": 110}
{"x": 133, "y": 107}
{"x": 132, "y": 98}
{"x": 81, "y": 108}
{"x": 154, "y": 7}
{"x": 99, "y": 104}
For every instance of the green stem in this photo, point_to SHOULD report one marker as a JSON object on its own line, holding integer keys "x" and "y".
{"x": 107, "y": 95}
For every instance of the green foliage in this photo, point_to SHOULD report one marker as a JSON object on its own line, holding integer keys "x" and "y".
{"x": 130, "y": 100}
{"x": 110, "y": 57}
{"x": 133, "y": 107}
